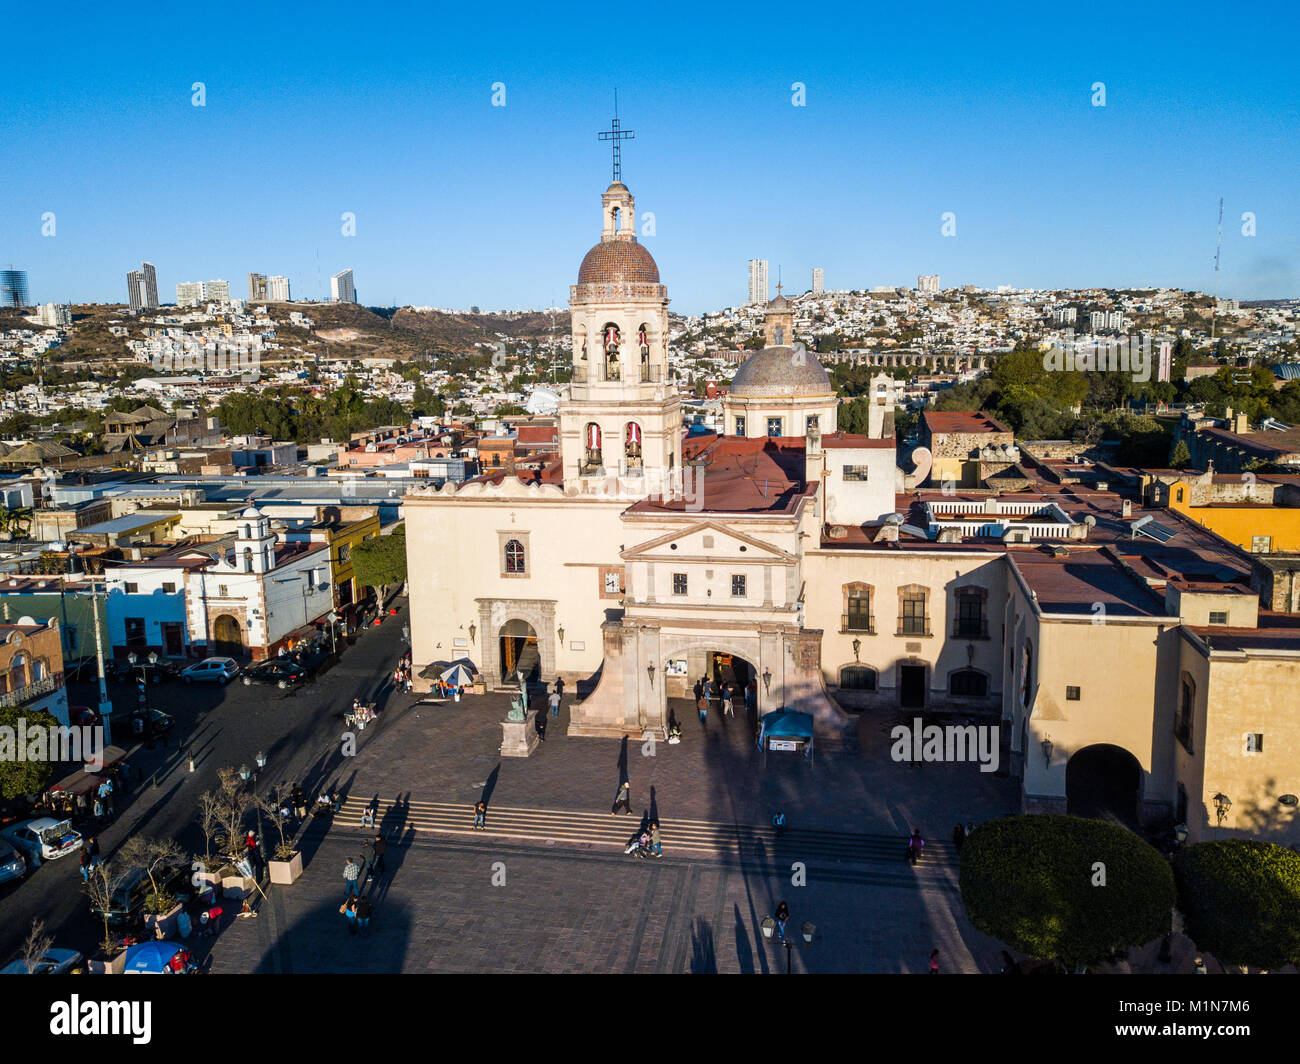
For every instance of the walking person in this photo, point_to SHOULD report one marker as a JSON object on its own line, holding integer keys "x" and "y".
{"x": 959, "y": 835}
{"x": 480, "y": 815}
{"x": 624, "y": 799}
{"x": 655, "y": 848}
{"x": 934, "y": 962}
{"x": 367, "y": 861}
{"x": 782, "y": 915}
{"x": 363, "y": 911}
{"x": 351, "y": 870}
{"x": 559, "y": 686}
{"x": 915, "y": 845}
{"x": 349, "y": 911}
{"x": 379, "y": 847}
{"x": 555, "y": 703}
{"x": 85, "y": 865}
{"x": 702, "y": 706}
{"x": 726, "y": 701}
{"x": 299, "y": 801}
{"x": 540, "y": 724}
{"x": 368, "y": 816}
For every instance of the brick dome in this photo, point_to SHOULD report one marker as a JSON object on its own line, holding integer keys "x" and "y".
{"x": 618, "y": 262}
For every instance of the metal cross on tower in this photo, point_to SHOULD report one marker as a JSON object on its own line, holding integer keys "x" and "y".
{"x": 615, "y": 134}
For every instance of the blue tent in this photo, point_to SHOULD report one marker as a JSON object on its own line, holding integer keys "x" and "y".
{"x": 787, "y": 726}
{"x": 150, "y": 958}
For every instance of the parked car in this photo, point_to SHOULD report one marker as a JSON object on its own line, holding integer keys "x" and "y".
{"x": 315, "y": 658}
{"x": 211, "y": 670}
{"x": 12, "y": 863}
{"x": 281, "y": 672}
{"x": 131, "y": 889}
{"x": 43, "y": 839}
{"x": 153, "y": 725}
{"x": 164, "y": 668}
{"x": 52, "y": 962}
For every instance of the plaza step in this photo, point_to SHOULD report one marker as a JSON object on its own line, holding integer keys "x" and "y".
{"x": 679, "y": 836}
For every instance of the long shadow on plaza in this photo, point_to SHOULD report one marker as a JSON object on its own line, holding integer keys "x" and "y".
{"x": 320, "y": 943}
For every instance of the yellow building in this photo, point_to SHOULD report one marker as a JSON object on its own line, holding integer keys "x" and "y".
{"x": 1252, "y": 521}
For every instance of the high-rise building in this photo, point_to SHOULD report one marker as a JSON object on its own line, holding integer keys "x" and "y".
{"x": 216, "y": 291}
{"x": 818, "y": 285}
{"x": 256, "y": 287}
{"x": 277, "y": 289}
{"x": 142, "y": 287}
{"x": 189, "y": 293}
{"x": 13, "y": 288}
{"x": 342, "y": 288}
{"x": 54, "y": 315}
{"x": 928, "y": 283}
{"x": 758, "y": 280}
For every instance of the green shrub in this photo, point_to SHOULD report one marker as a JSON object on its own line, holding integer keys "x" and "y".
{"x": 1034, "y": 883}
{"x": 1241, "y": 901}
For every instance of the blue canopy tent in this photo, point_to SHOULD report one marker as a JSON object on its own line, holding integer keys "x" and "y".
{"x": 150, "y": 958}
{"x": 786, "y": 729}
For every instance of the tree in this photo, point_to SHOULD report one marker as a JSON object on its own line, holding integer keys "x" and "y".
{"x": 1181, "y": 457}
{"x": 228, "y": 806}
{"x": 159, "y": 859}
{"x": 36, "y": 945}
{"x": 1241, "y": 900}
{"x": 20, "y": 776}
{"x": 210, "y": 825}
{"x": 275, "y": 806}
{"x": 380, "y": 561}
{"x": 1065, "y": 887}
{"x": 101, "y": 887}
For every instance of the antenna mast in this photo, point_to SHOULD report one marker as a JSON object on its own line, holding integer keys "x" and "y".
{"x": 1214, "y": 306}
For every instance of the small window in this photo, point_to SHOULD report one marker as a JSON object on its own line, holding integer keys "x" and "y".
{"x": 132, "y": 589}
{"x": 811, "y": 423}
{"x": 1218, "y": 616}
{"x": 1261, "y": 544}
{"x": 1072, "y": 694}
{"x": 169, "y": 588}
{"x": 740, "y": 426}
{"x": 514, "y": 557}
{"x": 738, "y": 586}
{"x": 679, "y": 583}
{"x": 857, "y": 678}
{"x": 968, "y": 683}
{"x": 222, "y": 592}
{"x": 774, "y": 426}
{"x": 854, "y": 472}
{"x": 1253, "y": 743}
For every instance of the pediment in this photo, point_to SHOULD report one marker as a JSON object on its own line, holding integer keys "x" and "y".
{"x": 690, "y": 541}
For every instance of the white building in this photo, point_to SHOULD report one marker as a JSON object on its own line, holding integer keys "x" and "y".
{"x": 758, "y": 280}
{"x": 342, "y": 288}
{"x": 54, "y": 315}
{"x": 142, "y": 287}
{"x": 928, "y": 284}
{"x": 277, "y": 289}
{"x": 818, "y": 281}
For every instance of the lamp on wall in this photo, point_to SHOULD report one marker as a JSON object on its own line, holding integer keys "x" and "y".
{"x": 561, "y": 633}
{"x": 650, "y": 671}
{"x": 1222, "y": 803}
{"x": 767, "y": 680}
{"x": 1047, "y": 752}
{"x": 857, "y": 647}
{"x": 472, "y": 629}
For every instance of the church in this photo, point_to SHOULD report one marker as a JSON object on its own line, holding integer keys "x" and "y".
{"x": 1120, "y": 657}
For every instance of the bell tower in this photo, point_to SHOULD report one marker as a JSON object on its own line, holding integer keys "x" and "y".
{"x": 622, "y": 416}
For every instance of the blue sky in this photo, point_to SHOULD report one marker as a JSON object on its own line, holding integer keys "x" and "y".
{"x": 386, "y": 111}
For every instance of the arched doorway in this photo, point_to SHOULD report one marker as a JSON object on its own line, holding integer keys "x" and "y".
{"x": 227, "y": 637}
{"x": 1104, "y": 781}
{"x": 519, "y": 653}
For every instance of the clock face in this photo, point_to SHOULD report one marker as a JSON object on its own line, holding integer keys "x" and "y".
{"x": 612, "y": 583}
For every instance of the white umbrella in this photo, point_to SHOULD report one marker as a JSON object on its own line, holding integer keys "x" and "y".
{"x": 457, "y": 675}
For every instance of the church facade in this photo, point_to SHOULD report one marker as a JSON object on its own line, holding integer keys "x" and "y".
{"x": 804, "y": 565}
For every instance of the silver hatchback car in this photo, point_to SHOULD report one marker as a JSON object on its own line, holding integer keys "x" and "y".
{"x": 211, "y": 670}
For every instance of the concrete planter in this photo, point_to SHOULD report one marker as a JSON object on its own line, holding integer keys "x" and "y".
{"x": 114, "y": 965}
{"x": 166, "y": 921}
{"x": 234, "y": 885}
{"x": 285, "y": 872}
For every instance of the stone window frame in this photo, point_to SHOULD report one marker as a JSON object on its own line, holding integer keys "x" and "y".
{"x": 743, "y": 585}
{"x": 686, "y": 585}
{"x": 964, "y": 671}
{"x": 740, "y": 424}
{"x": 904, "y": 593}
{"x": 970, "y": 591}
{"x": 780, "y": 427}
{"x": 503, "y": 541}
{"x": 845, "y": 592}
{"x": 858, "y": 666}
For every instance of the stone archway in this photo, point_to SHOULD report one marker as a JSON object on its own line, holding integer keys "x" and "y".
{"x": 518, "y": 653}
{"x": 227, "y": 635}
{"x": 1104, "y": 781}
{"x": 494, "y": 616}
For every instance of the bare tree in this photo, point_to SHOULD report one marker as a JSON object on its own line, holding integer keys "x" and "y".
{"x": 275, "y": 805}
{"x": 209, "y": 823}
{"x": 101, "y": 887}
{"x": 158, "y": 858}
{"x": 35, "y": 947}
{"x": 234, "y": 802}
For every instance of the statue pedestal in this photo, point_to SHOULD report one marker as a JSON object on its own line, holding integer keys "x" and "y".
{"x": 519, "y": 737}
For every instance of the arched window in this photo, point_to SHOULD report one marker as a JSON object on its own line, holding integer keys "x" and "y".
{"x": 1178, "y": 495}
{"x": 967, "y": 683}
{"x": 611, "y": 342}
{"x": 515, "y": 557}
{"x": 248, "y": 559}
{"x": 632, "y": 443}
{"x": 18, "y": 672}
{"x": 857, "y": 678}
{"x": 592, "y": 457}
